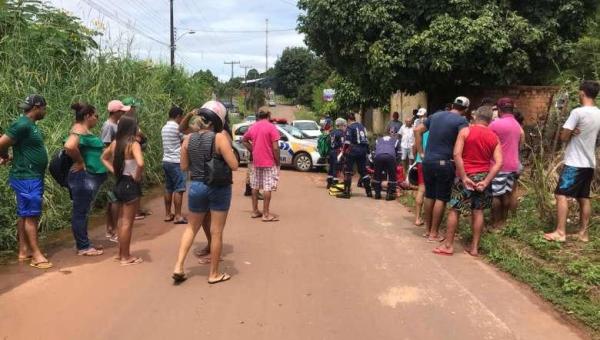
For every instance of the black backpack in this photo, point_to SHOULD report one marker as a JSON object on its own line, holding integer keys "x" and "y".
{"x": 59, "y": 167}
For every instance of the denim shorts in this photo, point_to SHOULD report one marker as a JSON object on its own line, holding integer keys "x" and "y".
{"x": 174, "y": 177}
{"x": 439, "y": 179}
{"x": 29, "y": 194}
{"x": 203, "y": 198}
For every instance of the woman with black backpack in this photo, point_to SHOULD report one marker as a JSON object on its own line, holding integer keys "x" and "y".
{"x": 86, "y": 174}
{"x": 208, "y": 155}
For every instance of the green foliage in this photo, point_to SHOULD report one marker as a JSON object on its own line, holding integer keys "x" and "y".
{"x": 252, "y": 74}
{"x": 45, "y": 51}
{"x": 291, "y": 71}
{"x": 255, "y": 99}
{"x": 413, "y": 45}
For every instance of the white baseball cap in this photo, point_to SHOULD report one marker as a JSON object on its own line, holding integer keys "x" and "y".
{"x": 422, "y": 112}
{"x": 462, "y": 101}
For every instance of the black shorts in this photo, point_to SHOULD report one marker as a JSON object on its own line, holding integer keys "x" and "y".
{"x": 127, "y": 190}
{"x": 575, "y": 182}
{"x": 439, "y": 179}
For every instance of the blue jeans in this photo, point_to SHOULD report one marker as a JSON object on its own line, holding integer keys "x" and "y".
{"x": 83, "y": 187}
{"x": 174, "y": 177}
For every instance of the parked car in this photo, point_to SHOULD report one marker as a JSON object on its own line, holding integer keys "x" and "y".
{"x": 241, "y": 153}
{"x": 250, "y": 119}
{"x": 295, "y": 149}
{"x": 309, "y": 127}
{"x": 272, "y": 103}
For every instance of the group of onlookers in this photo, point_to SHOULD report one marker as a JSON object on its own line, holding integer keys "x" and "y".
{"x": 469, "y": 161}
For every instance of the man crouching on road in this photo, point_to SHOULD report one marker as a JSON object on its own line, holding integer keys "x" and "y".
{"x": 476, "y": 148}
{"x": 262, "y": 140}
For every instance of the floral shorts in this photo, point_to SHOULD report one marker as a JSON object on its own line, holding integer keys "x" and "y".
{"x": 465, "y": 200}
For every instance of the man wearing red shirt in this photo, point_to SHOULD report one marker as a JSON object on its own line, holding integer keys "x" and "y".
{"x": 475, "y": 149}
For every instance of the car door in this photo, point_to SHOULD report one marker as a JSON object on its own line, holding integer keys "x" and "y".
{"x": 286, "y": 154}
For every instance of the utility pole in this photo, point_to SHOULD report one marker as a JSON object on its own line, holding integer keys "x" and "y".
{"x": 266, "y": 45}
{"x": 246, "y": 67}
{"x": 172, "y": 38}
{"x": 231, "y": 63}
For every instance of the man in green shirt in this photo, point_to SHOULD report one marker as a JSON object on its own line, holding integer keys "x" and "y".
{"x": 26, "y": 177}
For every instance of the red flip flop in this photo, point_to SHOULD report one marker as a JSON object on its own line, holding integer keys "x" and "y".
{"x": 439, "y": 251}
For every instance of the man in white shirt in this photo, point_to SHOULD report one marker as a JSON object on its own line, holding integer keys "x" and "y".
{"x": 174, "y": 177}
{"x": 406, "y": 143}
{"x": 581, "y": 132}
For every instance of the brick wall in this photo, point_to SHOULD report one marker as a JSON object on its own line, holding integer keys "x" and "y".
{"x": 532, "y": 101}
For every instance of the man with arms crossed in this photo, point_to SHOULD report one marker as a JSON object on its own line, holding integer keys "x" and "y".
{"x": 581, "y": 132}
{"x": 438, "y": 165}
{"x": 26, "y": 177}
{"x": 262, "y": 139}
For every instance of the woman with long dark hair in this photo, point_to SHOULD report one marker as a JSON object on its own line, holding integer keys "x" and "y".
{"x": 87, "y": 174}
{"x": 208, "y": 143}
{"x": 125, "y": 160}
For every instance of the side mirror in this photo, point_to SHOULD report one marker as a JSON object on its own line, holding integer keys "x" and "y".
{"x": 284, "y": 138}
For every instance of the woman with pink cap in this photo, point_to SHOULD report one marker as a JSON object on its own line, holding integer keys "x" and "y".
{"x": 209, "y": 192}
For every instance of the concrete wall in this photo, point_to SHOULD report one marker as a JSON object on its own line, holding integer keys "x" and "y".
{"x": 405, "y": 104}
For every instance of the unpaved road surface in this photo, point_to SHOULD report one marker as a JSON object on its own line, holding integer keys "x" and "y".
{"x": 330, "y": 269}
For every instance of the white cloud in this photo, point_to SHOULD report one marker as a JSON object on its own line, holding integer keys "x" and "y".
{"x": 206, "y": 49}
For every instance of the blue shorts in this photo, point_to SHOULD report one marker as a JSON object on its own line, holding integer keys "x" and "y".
{"x": 29, "y": 194}
{"x": 203, "y": 198}
{"x": 174, "y": 177}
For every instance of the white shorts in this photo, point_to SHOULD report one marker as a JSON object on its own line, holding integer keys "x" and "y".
{"x": 265, "y": 179}
{"x": 407, "y": 153}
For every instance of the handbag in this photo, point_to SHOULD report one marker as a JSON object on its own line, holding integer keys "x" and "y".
{"x": 218, "y": 173}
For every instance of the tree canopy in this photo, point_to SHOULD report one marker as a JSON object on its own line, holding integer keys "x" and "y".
{"x": 292, "y": 70}
{"x": 387, "y": 45}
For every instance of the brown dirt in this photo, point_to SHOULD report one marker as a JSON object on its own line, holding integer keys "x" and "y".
{"x": 330, "y": 269}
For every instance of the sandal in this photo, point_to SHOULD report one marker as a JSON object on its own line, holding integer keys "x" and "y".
{"x": 554, "y": 237}
{"x": 170, "y": 218}
{"x": 90, "y": 252}
{"x": 181, "y": 221}
{"x": 41, "y": 265}
{"x": 132, "y": 261}
{"x": 223, "y": 278}
{"x": 178, "y": 278}
{"x": 441, "y": 251}
{"x": 256, "y": 215}
{"x": 272, "y": 218}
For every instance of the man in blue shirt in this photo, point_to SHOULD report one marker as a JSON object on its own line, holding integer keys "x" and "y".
{"x": 337, "y": 143}
{"x": 438, "y": 165}
{"x": 387, "y": 150}
{"x": 356, "y": 148}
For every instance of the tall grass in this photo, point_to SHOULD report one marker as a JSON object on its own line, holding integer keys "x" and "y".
{"x": 46, "y": 51}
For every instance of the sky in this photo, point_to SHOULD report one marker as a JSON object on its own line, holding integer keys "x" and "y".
{"x": 142, "y": 27}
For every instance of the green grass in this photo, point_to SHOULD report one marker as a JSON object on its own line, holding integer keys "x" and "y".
{"x": 45, "y": 51}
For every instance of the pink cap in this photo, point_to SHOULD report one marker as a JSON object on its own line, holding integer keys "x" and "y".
{"x": 216, "y": 107}
{"x": 117, "y": 105}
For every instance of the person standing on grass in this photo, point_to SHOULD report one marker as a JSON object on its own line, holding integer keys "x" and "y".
{"x": 125, "y": 160}
{"x": 86, "y": 175}
{"x": 198, "y": 148}
{"x": 262, "y": 140}
{"x": 356, "y": 148}
{"x": 438, "y": 165}
{"x": 511, "y": 135}
{"x": 407, "y": 143}
{"x": 476, "y": 149}
{"x": 420, "y": 194}
{"x": 26, "y": 176}
{"x": 116, "y": 110}
{"x": 174, "y": 177}
{"x": 580, "y": 131}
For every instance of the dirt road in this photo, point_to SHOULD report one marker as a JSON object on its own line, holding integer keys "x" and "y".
{"x": 331, "y": 269}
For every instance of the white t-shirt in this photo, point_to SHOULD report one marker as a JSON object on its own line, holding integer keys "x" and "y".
{"x": 171, "y": 140}
{"x": 408, "y": 137}
{"x": 581, "y": 151}
{"x": 109, "y": 132}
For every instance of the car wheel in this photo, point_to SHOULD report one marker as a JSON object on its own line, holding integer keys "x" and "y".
{"x": 303, "y": 162}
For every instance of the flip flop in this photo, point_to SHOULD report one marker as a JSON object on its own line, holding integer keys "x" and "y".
{"x": 256, "y": 215}
{"x": 90, "y": 252}
{"x": 439, "y": 251}
{"x": 553, "y": 238}
{"x": 178, "y": 278}
{"x": 170, "y": 219}
{"x": 42, "y": 265}
{"x": 206, "y": 260}
{"x": 468, "y": 252}
{"x": 24, "y": 259}
{"x": 419, "y": 224}
{"x": 182, "y": 221}
{"x": 132, "y": 261}
{"x": 271, "y": 219}
{"x": 436, "y": 240}
{"x": 223, "y": 278}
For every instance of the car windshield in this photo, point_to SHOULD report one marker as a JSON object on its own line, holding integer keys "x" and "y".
{"x": 295, "y": 132}
{"x": 307, "y": 125}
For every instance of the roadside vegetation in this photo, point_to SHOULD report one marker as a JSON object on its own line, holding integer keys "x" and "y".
{"x": 44, "y": 50}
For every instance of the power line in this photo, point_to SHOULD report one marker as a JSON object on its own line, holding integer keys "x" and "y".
{"x": 108, "y": 14}
{"x": 112, "y": 5}
{"x": 241, "y": 32}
